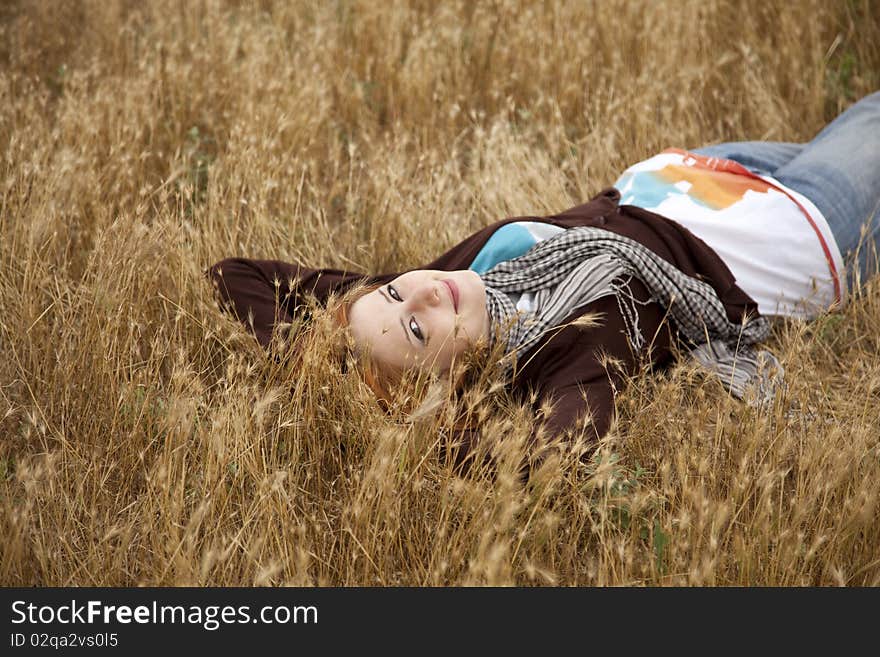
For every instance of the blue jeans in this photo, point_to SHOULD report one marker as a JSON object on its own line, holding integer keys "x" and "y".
{"x": 839, "y": 171}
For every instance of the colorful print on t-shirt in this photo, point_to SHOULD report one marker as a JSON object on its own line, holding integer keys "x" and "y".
{"x": 744, "y": 218}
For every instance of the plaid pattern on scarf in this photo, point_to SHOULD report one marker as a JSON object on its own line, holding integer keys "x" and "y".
{"x": 583, "y": 264}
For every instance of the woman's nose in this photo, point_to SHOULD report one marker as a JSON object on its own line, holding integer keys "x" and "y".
{"x": 427, "y": 295}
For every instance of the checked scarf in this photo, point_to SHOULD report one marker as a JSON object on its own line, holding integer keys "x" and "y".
{"x": 581, "y": 265}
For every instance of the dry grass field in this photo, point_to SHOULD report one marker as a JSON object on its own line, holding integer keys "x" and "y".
{"x": 146, "y": 439}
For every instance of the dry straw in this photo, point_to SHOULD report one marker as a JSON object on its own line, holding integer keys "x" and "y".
{"x": 147, "y": 440}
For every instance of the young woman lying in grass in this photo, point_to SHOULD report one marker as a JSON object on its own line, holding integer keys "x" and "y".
{"x": 693, "y": 249}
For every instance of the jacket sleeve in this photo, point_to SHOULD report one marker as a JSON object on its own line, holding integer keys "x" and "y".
{"x": 262, "y": 293}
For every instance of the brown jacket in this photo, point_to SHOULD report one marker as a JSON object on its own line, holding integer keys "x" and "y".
{"x": 568, "y": 366}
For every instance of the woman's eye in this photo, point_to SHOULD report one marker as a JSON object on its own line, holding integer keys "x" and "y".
{"x": 394, "y": 294}
{"x": 416, "y": 331}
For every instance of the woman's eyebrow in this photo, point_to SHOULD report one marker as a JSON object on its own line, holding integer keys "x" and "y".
{"x": 405, "y": 332}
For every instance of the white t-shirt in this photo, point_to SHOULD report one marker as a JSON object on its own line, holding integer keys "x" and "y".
{"x": 774, "y": 240}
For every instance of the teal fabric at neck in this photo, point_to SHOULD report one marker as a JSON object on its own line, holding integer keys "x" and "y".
{"x": 511, "y": 241}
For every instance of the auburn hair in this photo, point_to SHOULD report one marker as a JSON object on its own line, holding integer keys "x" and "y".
{"x": 377, "y": 377}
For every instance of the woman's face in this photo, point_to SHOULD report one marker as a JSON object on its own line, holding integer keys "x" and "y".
{"x": 423, "y": 318}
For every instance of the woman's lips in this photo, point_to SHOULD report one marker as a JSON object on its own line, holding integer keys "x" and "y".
{"x": 453, "y": 290}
